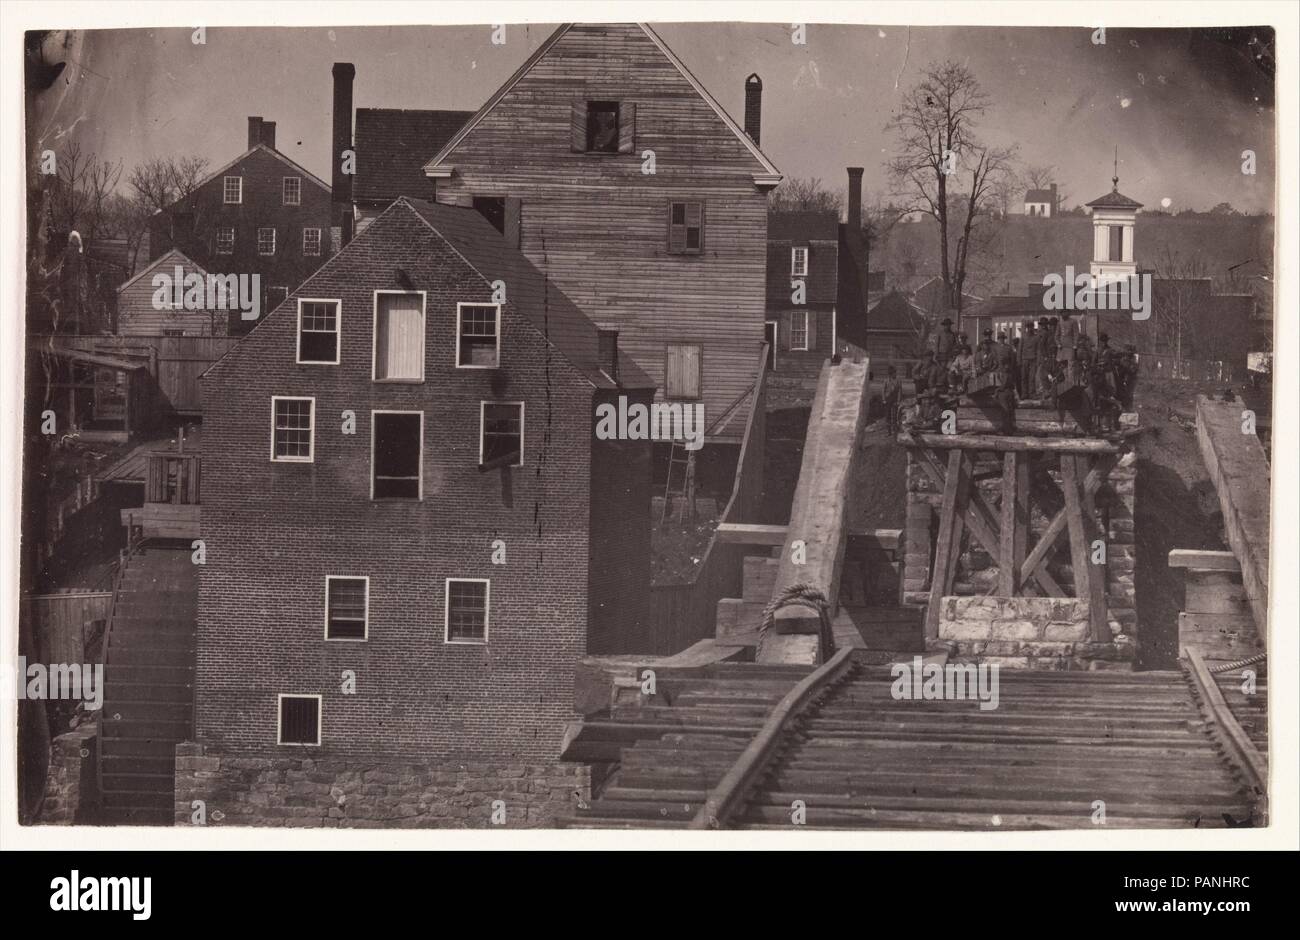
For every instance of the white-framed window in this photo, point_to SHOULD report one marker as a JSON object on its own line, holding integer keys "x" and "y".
{"x": 347, "y": 607}
{"x": 501, "y": 434}
{"x": 467, "y": 602}
{"x": 799, "y": 329}
{"x": 291, "y": 191}
{"x": 297, "y": 720}
{"x": 266, "y": 241}
{"x": 798, "y": 262}
{"x": 478, "y": 336}
{"x": 319, "y": 333}
{"x": 397, "y": 455}
{"x": 226, "y": 241}
{"x": 232, "y": 190}
{"x": 293, "y": 423}
{"x": 311, "y": 242}
{"x": 398, "y": 336}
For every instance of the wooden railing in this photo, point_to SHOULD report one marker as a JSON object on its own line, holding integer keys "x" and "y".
{"x": 172, "y": 478}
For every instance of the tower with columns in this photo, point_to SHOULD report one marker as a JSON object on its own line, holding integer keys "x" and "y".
{"x": 1114, "y": 217}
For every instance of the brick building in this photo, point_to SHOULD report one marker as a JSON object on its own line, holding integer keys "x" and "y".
{"x": 260, "y": 214}
{"x": 401, "y": 478}
{"x": 802, "y": 288}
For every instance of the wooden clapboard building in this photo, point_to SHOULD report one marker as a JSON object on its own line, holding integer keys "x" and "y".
{"x": 618, "y": 175}
{"x": 418, "y": 457}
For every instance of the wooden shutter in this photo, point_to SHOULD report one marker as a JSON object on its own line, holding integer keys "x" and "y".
{"x": 626, "y": 127}
{"x": 695, "y": 220}
{"x": 812, "y": 329}
{"x": 401, "y": 337}
{"x": 578, "y": 126}
{"x": 682, "y": 377}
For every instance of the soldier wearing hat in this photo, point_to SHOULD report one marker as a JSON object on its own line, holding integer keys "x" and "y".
{"x": 945, "y": 343}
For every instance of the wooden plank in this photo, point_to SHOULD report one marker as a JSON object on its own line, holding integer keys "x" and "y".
{"x": 1224, "y": 637}
{"x": 1056, "y": 445}
{"x": 1099, "y": 611}
{"x": 1088, "y": 584}
{"x": 1037, "y": 560}
{"x": 1020, "y": 538}
{"x": 1008, "y": 570}
{"x": 950, "y": 529}
{"x": 1240, "y": 746}
{"x": 1215, "y": 592}
{"x": 744, "y": 533}
{"x": 1211, "y": 561}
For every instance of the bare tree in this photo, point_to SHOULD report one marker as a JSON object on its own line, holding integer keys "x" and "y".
{"x": 161, "y": 181}
{"x": 943, "y": 170}
{"x": 799, "y": 193}
{"x": 83, "y": 185}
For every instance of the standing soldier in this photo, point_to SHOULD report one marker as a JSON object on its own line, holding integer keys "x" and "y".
{"x": 922, "y": 376}
{"x": 1008, "y": 373}
{"x": 1028, "y": 361}
{"x": 1046, "y": 347}
{"x": 892, "y": 394}
{"x": 945, "y": 343}
{"x": 1127, "y": 374}
{"x": 1067, "y": 338}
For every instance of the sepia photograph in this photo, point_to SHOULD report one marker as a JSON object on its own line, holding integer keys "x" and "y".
{"x": 707, "y": 425}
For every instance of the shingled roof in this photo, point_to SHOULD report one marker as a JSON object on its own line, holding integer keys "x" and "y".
{"x": 392, "y": 147}
{"x": 1039, "y": 195}
{"x": 550, "y": 311}
{"x": 803, "y": 225}
{"x": 1114, "y": 200}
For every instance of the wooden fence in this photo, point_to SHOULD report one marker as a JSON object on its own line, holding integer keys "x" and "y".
{"x": 683, "y": 614}
{"x": 175, "y": 361}
{"x": 61, "y": 623}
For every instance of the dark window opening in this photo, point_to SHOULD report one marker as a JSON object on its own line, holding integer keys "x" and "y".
{"x": 502, "y": 444}
{"x": 602, "y": 126}
{"x": 492, "y": 208}
{"x": 1116, "y": 243}
{"x": 397, "y": 456}
{"x": 346, "y": 604}
{"x": 686, "y": 227}
{"x": 299, "y": 719}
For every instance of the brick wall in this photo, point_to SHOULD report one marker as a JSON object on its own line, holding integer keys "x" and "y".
{"x": 191, "y": 224}
{"x": 324, "y": 793}
{"x": 275, "y": 530}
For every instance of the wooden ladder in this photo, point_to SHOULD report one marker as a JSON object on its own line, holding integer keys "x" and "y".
{"x": 679, "y": 456}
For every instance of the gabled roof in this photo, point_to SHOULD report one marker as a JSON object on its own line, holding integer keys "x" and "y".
{"x": 894, "y": 313}
{"x": 171, "y": 257}
{"x": 769, "y": 176}
{"x": 392, "y": 146}
{"x": 1114, "y": 200}
{"x": 529, "y": 291}
{"x": 275, "y": 153}
{"x": 929, "y": 296}
{"x": 803, "y": 225}
{"x": 1038, "y": 195}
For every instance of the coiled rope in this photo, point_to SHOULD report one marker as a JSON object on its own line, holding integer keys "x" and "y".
{"x": 801, "y": 595}
{"x": 1239, "y": 664}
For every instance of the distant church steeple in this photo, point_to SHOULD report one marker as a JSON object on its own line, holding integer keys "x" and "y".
{"x": 1114, "y": 218}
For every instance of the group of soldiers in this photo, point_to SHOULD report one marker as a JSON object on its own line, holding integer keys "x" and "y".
{"x": 1048, "y": 361}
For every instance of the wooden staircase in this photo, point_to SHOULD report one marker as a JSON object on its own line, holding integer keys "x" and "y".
{"x": 149, "y": 678}
{"x": 858, "y": 758}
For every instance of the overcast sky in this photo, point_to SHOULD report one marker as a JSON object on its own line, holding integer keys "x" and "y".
{"x": 1181, "y": 106}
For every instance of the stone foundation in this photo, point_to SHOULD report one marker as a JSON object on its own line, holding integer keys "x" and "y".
{"x": 320, "y": 792}
{"x": 1029, "y": 633}
{"x": 977, "y": 570}
{"x": 71, "y": 793}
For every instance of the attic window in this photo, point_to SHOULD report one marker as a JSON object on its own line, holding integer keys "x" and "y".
{"x": 291, "y": 190}
{"x": 685, "y": 228}
{"x": 478, "y": 329}
{"x": 798, "y": 262}
{"x": 602, "y": 127}
{"x": 232, "y": 191}
{"x": 318, "y": 332}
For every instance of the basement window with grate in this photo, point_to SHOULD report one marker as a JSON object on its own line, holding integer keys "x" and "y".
{"x": 299, "y": 720}
{"x": 467, "y": 610}
{"x": 347, "y": 603}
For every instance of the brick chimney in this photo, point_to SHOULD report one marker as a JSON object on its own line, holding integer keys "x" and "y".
{"x": 855, "y": 199}
{"x": 341, "y": 140}
{"x": 1055, "y": 205}
{"x": 260, "y": 132}
{"x": 753, "y": 106}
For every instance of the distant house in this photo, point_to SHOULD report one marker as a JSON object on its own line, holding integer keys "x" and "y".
{"x": 802, "y": 289}
{"x": 146, "y": 309}
{"x": 1041, "y": 202}
{"x": 259, "y": 214}
{"x": 402, "y": 476}
{"x": 895, "y": 333}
